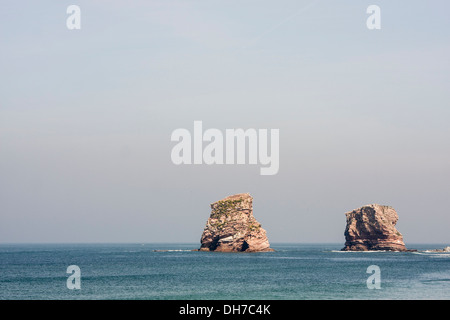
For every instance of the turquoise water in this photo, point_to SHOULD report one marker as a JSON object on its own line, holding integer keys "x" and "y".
{"x": 294, "y": 271}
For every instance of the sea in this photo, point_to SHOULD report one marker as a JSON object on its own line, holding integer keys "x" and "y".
{"x": 175, "y": 272}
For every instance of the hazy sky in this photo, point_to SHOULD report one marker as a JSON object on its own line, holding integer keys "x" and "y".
{"x": 86, "y": 116}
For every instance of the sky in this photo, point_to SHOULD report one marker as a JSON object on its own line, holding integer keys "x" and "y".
{"x": 86, "y": 116}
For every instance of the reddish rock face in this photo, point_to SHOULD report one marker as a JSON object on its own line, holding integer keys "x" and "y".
{"x": 372, "y": 227}
{"x": 232, "y": 227}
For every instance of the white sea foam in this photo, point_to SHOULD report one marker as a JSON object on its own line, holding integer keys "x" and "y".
{"x": 433, "y": 254}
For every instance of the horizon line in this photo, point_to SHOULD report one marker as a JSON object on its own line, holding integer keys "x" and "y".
{"x": 193, "y": 243}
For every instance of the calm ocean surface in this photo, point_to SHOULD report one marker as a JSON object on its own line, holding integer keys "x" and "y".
{"x": 294, "y": 271}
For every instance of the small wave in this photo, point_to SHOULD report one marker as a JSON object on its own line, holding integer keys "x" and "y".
{"x": 172, "y": 250}
{"x": 289, "y": 258}
{"x": 436, "y": 280}
{"x": 433, "y": 254}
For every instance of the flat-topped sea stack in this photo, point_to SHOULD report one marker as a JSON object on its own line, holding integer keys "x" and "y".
{"x": 372, "y": 227}
{"x": 232, "y": 227}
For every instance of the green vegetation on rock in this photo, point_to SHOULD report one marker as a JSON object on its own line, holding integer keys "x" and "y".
{"x": 254, "y": 226}
{"x": 223, "y": 207}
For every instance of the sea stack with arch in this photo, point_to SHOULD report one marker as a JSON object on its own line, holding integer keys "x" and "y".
{"x": 232, "y": 227}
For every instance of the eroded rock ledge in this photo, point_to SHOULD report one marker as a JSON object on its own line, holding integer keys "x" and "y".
{"x": 372, "y": 227}
{"x": 232, "y": 227}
